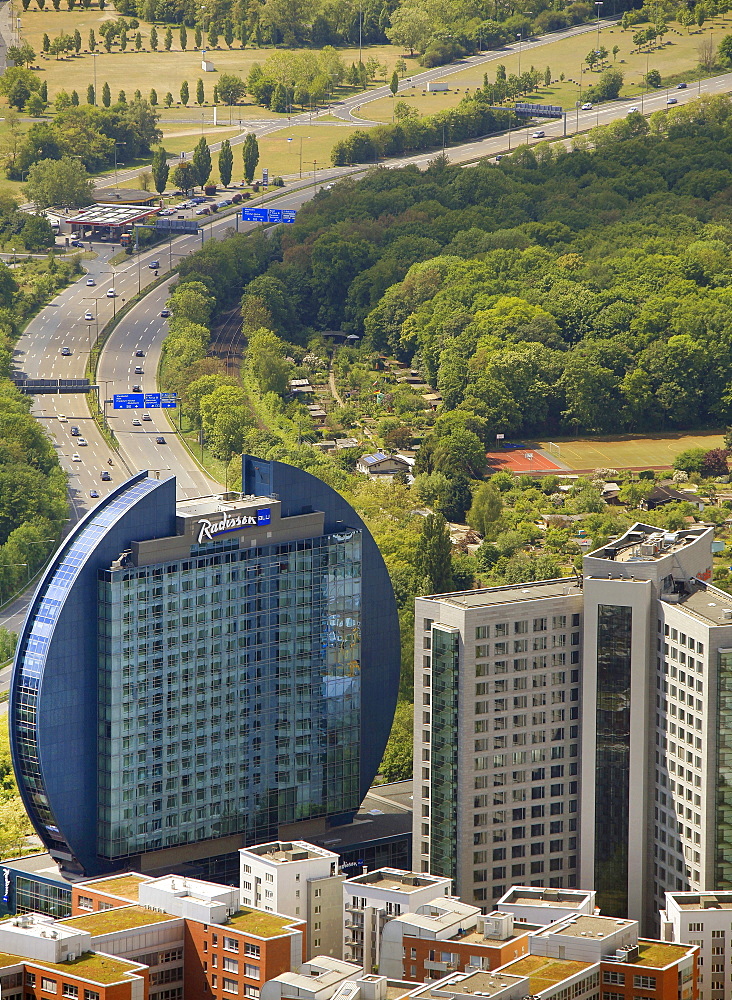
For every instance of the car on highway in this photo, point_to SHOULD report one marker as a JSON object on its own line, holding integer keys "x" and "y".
{"x": 539, "y": 134}
{"x": 154, "y": 265}
{"x": 136, "y": 422}
{"x": 137, "y": 388}
{"x": 139, "y": 354}
{"x": 138, "y": 370}
{"x": 159, "y": 440}
{"x": 63, "y": 419}
{"x": 81, "y": 442}
{"x": 105, "y": 476}
{"x": 88, "y": 315}
{"x": 111, "y": 294}
{"x": 587, "y": 106}
{"x": 672, "y": 100}
{"x": 90, "y": 282}
{"x": 165, "y": 313}
{"x": 632, "y": 108}
{"x": 74, "y": 431}
{"x": 681, "y": 86}
{"x": 146, "y": 416}
{"x": 65, "y": 352}
{"x": 94, "y": 494}
{"x": 76, "y": 457}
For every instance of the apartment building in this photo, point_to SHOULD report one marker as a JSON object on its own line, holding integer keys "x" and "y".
{"x": 194, "y": 936}
{"x": 302, "y": 880}
{"x": 449, "y": 936}
{"x": 496, "y": 737}
{"x": 547, "y": 906}
{"x": 628, "y": 670}
{"x": 703, "y": 919}
{"x": 372, "y": 899}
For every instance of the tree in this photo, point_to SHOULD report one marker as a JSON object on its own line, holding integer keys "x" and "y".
{"x": 230, "y": 88}
{"x": 183, "y": 37}
{"x": 716, "y": 462}
{"x": 486, "y": 509}
{"x": 690, "y": 460}
{"x": 35, "y": 106}
{"x": 701, "y": 15}
{"x": 394, "y": 83}
{"x": 37, "y": 234}
{"x": 213, "y": 35}
{"x": 59, "y": 182}
{"x": 92, "y": 40}
{"x": 250, "y": 153}
{"x": 168, "y": 100}
{"x": 725, "y": 49}
{"x": 616, "y": 49}
{"x": 122, "y": 97}
{"x": 184, "y": 93}
{"x": 160, "y": 169}
{"x": 90, "y": 96}
{"x": 153, "y": 98}
{"x": 432, "y": 565}
{"x": 411, "y": 27}
{"x": 77, "y": 42}
{"x": 47, "y": 43}
{"x": 228, "y": 32}
{"x": 201, "y": 161}
{"x": 396, "y": 764}
{"x": 22, "y": 55}
{"x": 138, "y": 42}
{"x": 154, "y": 38}
{"x": 106, "y": 95}
{"x": 198, "y": 37}
{"x": 653, "y": 78}
{"x": 200, "y": 97}
{"x": 184, "y": 177}
{"x": 168, "y": 39}
{"x": 75, "y": 98}
{"x": 226, "y": 163}
{"x": 278, "y": 100}
{"x": 455, "y": 499}
{"x": 547, "y": 77}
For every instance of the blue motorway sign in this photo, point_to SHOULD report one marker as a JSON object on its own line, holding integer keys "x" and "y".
{"x": 145, "y": 401}
{"x": 268, "y": 214}
{"x": 128, "y": 401}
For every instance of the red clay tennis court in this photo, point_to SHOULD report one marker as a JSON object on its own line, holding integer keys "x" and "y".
{"x": 521, "y": 460}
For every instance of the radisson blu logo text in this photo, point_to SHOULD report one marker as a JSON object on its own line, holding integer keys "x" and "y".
{"x": 208, "y": 530}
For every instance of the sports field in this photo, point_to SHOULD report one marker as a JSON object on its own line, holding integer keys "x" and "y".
{"x": 631, "y": 451}
{"x": 521, "y": 460}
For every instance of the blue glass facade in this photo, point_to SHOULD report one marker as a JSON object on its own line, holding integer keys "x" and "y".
{"x": 221, "y": 691}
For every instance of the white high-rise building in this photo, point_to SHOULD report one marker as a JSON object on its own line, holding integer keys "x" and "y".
{"x": 703, "y": 919}
{"x": 628, "y": 670}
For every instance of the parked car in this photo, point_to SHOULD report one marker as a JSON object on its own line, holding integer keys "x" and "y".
{"x": 203, "y": 211}
{"x": 77, "y": 243}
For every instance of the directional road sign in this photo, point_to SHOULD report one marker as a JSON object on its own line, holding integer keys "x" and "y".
{"x": 128, "y": 401}
{"x": 268, "y": 215}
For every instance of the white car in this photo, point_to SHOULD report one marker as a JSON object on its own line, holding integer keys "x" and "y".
{"x": 90, "y": 282}
{"x": 81, "y": 442}
{"x": 587, "y": 107}
{"x": 672, "y": 100}
{"x": 146, "y": 416}
{"x": 63, "y": 418}
{"x": 539, "y": 134}
{"x": 76, "y": 457}
{"x": 632, "y": 108}
{"x": 111, "y": 294}
{"x": 136, "y": 422}
{"x": 88, "y": 316}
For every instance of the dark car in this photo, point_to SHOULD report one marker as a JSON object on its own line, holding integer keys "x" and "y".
{"x": 139, "y": 354}
{"x": 681, "y": 86}
{"x": 165, "y": 313}
{"x": 105, "y": 476}
{"x": 75, "y": 432}
{"x": 77, "y": 243}
{"x": 137, "y": 388}
{"x": 94, "y": 494}
{"x": 159, "y": 440}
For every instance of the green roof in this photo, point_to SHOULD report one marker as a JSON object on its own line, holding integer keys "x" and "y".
{"x": 92, "y": 966}
{"x": 6, "y": 960}
{"x": 126, "y": 886}
{"x": 260, "y": 923}
{"x": 544, "y": 972}
{"x": 120, "y": 918}
{"x": 658, "y": 955}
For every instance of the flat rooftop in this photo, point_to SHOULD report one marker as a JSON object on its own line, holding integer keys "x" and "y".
{"x": 646, "y": 543}
{"x": 544, "y": 972}
{"x": 703, "y": 900}
{"x": 202, "y": 506}
{"x": 125, "y": 886}
{"x": 524, "y": 896}
{"x": 493, "y": 596}
{"x": 42, "y": 865}
{"x": 285, "y": 852}
{"x": 121, "y": 918}
{"x": 713, "y": 606}
{"x": 658, "y": 954}
{"x": 260, "y": 923}
{"x": 96, "y": 967}
{"x": 519, "y": 930}
{"x": 391, "y": 878}
{"x": 482, "y": 983}
{"x": 595, "y": 927}
{"x": 110, "y": 215}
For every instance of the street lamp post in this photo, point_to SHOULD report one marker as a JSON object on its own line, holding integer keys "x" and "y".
{"x": 520, "y": 39}
{"x": 94, "y": 55}
{"x": 598, "y": 5}
{"x": 115, "y": 156}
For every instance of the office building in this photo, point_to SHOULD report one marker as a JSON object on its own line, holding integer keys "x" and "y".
{"x": 496, "y": 737}
{"x": 703, "y": 919}
{"x": 302, "y": 880}
{"x": 372, "y": 899}
{"x": 627, "y": 669}
{"x": 192, "y": 679}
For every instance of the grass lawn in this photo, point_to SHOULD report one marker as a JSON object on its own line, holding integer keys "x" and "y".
{"x": 632, "y": 451}
{"x": 165, "y": 71}
{"x": 676, "y": 60}
{"x": 283, "y": 157}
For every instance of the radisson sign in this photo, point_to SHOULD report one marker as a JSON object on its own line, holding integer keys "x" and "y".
{"x": 209, "y": 530}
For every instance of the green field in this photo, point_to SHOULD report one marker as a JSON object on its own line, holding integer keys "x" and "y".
{"x": 675, "y": 60}
{"x": 631, "y": 451}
